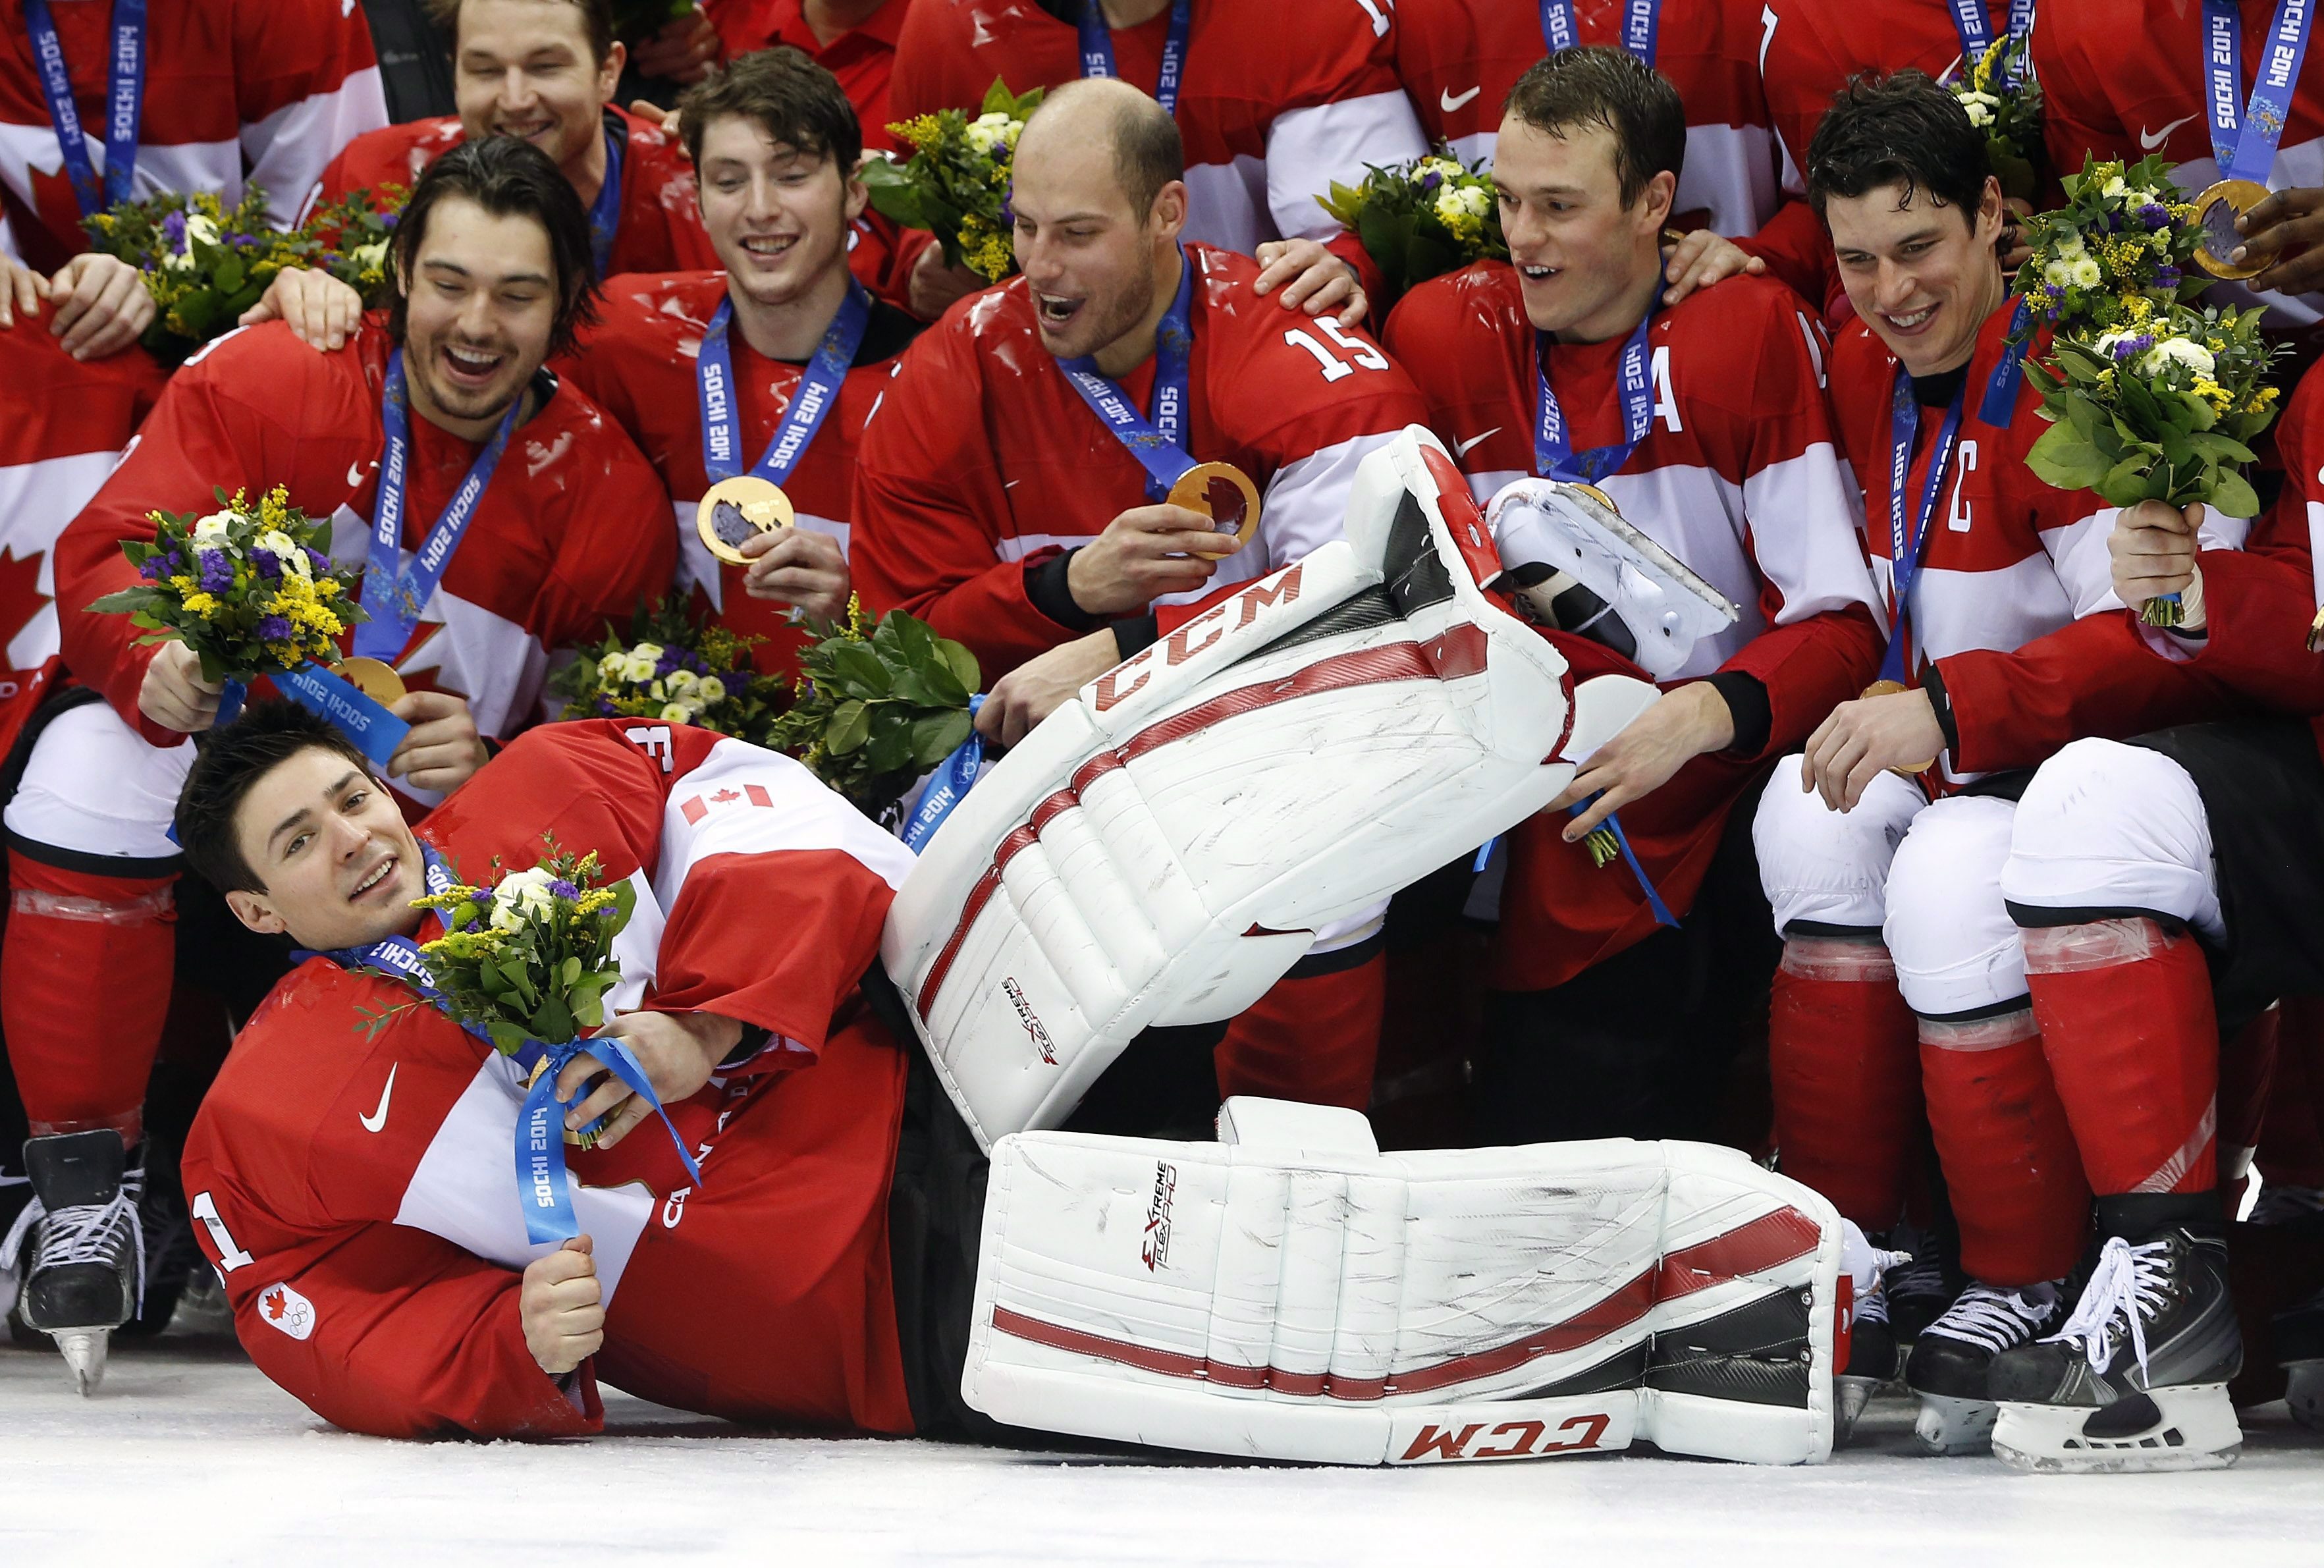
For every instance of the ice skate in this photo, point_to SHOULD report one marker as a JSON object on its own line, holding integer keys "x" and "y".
{"x": 77, "y": 1246}
{"x": 1951, "y": 1363}
{"x": 2137, "y": 1380}
{"x": 2300, "y": 1352}
{"x": 1871, "y": 1343}
{"x": 1925, "y": 1285}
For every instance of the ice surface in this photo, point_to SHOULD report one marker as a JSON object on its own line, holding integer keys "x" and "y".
{"x": 189, "y": 1456}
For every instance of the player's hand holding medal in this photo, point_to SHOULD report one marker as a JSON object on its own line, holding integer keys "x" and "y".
{"x": 251, "y": 591}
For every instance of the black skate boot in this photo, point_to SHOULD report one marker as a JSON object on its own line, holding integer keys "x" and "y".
{"x": 1871, "y": 1362}
{"x": 1951, "y": 1362}
{"x": 2298, "y": 1334}
{"x": 2137, "y": 1380}
{"x": 81, "y": 1255}
{"x": 1925, "y": 1284}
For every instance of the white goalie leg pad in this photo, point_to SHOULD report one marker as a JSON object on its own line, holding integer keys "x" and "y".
{"x": 1163, "y": 848}
{"x": 1294, "y": 1296}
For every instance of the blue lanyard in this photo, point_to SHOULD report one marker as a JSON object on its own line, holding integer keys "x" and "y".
{"x": 1975, "y": 32}
{"x": 1097, "y": 50}
{"x": 124, "y": 93}
{"x": 1157, "y": 444}
{"x": 2245, "y": 149}
{"x": 392, "y": 597}
{"x": 1906, "y": 549}
{"x": 605, "y": 212}
{"x": 1554, "y": 457}
{"x": 817, "y": 394}
{"x": 952, "y": 781}
{"x": 1641, "y": 25}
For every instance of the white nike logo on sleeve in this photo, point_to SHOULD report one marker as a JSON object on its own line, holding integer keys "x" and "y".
{"x": 1460, "y": 448}
{"x": 355, "y": 473}
{"x": 378, "y": 1119}
{"x": 2148, "y": 140}
{"x": 1449, "y": 102}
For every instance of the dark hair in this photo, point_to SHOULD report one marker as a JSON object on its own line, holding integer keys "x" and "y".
{"x": 1900, "y": 129}
{"x": 1147, "y": 151}
{"x": 231, "y": 760}
{"x": 1589, "y": 85}
{"x": 508, "y": 179}
{"x": 794, "y": 98}
{"x": 596, "y": 21}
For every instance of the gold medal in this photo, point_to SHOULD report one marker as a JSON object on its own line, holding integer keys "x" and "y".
{"x": 577, "y": 1139}
{"x": 375, "y": 679}
{"x": 1225, "y": 495}
{"x": 1896, "y": 688}
{"x": 736, "y": 510}
{"x": 2217, "y": 209}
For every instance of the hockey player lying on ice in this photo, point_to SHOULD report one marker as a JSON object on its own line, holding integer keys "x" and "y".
{"x": 1287, "y": 1291}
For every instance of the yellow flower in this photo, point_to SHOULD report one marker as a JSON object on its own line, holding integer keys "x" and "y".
{"x": 597, "y": 899}
{"x": 2137, "y": 307}
{"x": 183, "y": 582}
{"x": 920, "y": 129}
{"x": 202, "y": 604}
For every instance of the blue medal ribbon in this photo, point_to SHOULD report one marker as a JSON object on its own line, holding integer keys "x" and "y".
{"x": 375, "y": 731}
{"x": 1641, "y": 27}
{"x": 1160, "y": 443}
{"x": 950, "y": 782}
{"x": 1554, "y": 457}
{"x": 1906, "y": 549}
{"x": 816, "y": 395}
{"x": 2246, "y": 147}
{"x": 1975, "y": 32}
{"x": 124, "y": 94}
{"x": 605, "y": 212}
{"x": 1097, "y": 50}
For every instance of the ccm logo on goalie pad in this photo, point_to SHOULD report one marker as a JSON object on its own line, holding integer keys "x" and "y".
{"x": 1195, "y": 635}
{"x": 1154, "y": 1244}
{"x": 1509, "y": 1440}
{"x": 1032, "y": 1022}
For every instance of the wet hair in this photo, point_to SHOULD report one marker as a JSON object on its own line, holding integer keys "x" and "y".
{"x": 1148, "y": 151}
{"x": 596, "y": 21}
{"x": 1899, "y": 129}
{"x": 508, "y": 179}
{"x": 1589, "y": 85}
{"x": 796, "y": 100}
{"x": 227, "y": 765}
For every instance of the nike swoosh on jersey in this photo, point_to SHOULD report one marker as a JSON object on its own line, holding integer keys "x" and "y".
{"x": 355, "y": 473}
{"x": 1447, "y": 101}
{"x": 378, "y": 1119}
{"x": 2148, "y": 140}
{"x": 1460, "y": 448}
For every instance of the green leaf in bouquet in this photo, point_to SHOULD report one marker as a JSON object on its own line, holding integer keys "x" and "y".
{"x": 508, "y": 1039}
{"x": 553, "y": 1021}
{"x": 570, "y": 971}
{"x": 944, "y": 688}
{"x": 2232, "y": 494}
{"x": 859, "y": 670}
{"x": 850, "y": 726}
{"x": 2125, "y": 484}
{"x": 2177, "y": 448}
{"x": 962, "y": 664}
{"x": 890, "y": 745}
{"x": 2062, "y": 459}
{"x": 126, "y": 601}
{"x": 935, "y": 737}
{"x": 228, "y": 273}
{"x": 2221, "y": 448}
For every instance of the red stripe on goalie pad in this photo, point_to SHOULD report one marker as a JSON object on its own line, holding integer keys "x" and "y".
{"x": 1762, "y": 1243}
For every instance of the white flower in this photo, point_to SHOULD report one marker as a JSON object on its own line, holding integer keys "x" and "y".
{"x": 211, "y": 530}
{"x": 681, "y": 681}
{"x": 677, "y": 713}
{"x": 279, "y": 545}
{"x": 1443, "y": 166}
{"x": 2071, "y": 247}
{"x": 2087, "y": 273}
{"x": 710, "y": 689}
{"x": 987, "y": 132}
{"x": 2184, "y": 351}
{"x": 1981, "y": 107}
{"x": 372, "y": 257}
{"x": 520, "y": 894}
{"x": 637, "y": 670}
{"x": 658, "y": 691}
{"x": 199, "y": 228}
{"x": 2060, "y": 272}
{"x": 2113, "y": 187}
{"x": 610, "y": 667}
{"x": 649, "y": 652}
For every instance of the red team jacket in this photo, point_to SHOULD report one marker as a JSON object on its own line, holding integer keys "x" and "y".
{"x": 864, "y": 58}
{"x": 1269, "y": 120}
{"x": 660, "y": 228}
{"x": 638, "y": 362}
{"x": 358, "y": 1192}
{"x": 983, "y": 460}
{"x": 258, "y": 91}
{"x": 2014, "y": 600}
{"x": 1740, "y": 477}
{"x": 569, "y": 534}
{"x": 56, "y": 447}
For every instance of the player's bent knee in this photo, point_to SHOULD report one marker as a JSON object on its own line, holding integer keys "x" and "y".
{"x": 94, "y": 786}
{"x": 1827, "y": 867}
{"x": 2109, "y": 826}
{"x": 1956, "y": 949}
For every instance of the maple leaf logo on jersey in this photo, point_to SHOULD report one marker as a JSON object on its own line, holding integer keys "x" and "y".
{"x": 20, "y": 600}
{"x": 284, "y": 1309}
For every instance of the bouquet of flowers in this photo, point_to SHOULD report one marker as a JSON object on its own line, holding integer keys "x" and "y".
{"x": 955, "y": 183}
{"x": 2004, "y": 102}
{"x": 348, "y": 238}
{"x": 2115, "y": 254}
{"x": 872, "y": 712}
{"x": 1420, "y": 219}
{"x": 671, "y": 667}
{"x": 249, "y": 588}
{"x": 203, "y": 265}
{"x": 530, "y": 956}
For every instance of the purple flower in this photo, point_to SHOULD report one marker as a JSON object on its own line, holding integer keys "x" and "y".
{"x": 1431, "y": 180}
{"x": 317, "y": 559}
{"x": 387, "y": 219}
{"x": 2055, "y": 291}
{"x": 273, "y": 628}
{"x": 666, "y": 662}
{"x": 176, "y": 563}
{"x": 217, "y": 571}
{"x": 152, "y": 569}
{"x": 2166, "y": 277}
{"x": 606, "y": 707}
{"x": 268, "y": 567}
{"x": 2154, "y": 215}
{"x": 173, "y": 229}
{"x": 561, "y": 888}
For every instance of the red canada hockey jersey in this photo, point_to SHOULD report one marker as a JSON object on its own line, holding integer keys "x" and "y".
{"x": 1459, "y": 59}
{"x": 2015, "y": 599}
{"x": 256, "y": 92}
{"x": 63, "y": 426}
{"x": 1274, "y": 104}
{"x": 571, "y": 532}
{"x": 358, "y": 1192}
{"x": 2125, "y": 78}
{"x": 639, "y": 364}
{"x": 864, "y": 58}
{"x": 983, "y": 460}
{"x": 660, "y": 228}
{"x": 1740, "y": 477}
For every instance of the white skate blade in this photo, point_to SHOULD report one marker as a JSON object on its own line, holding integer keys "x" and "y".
{"x": 83, "y": 1351}
{"x": 2197, "y": 1431}
{"x": 1849, "y": 1396}
{"x": 1949, "y": 1424}
{"x": 2303, "y": 1393}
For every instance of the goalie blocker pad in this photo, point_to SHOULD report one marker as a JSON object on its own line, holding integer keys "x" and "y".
{"x": 1298, "y": 1295}
{"x": 1161, "y": 849}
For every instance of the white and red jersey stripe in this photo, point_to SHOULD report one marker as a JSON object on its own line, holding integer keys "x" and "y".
{"x": 983, "y": 458}
{"x": 1275, "y": 104}
{"x": 63, "y": 424}
{"x": 357, "y": 1189}
{"x": 571, "y": 533}
{"x": 238, "y": 93}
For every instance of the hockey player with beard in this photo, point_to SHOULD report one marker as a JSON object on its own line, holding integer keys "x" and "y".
{"x": 562, "y": 526}
{"x": 545, "y": 71}
{"x": 1881, "y": 845}
{"x": 806, "y": 354}
{"x": 1706, "y": 426}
